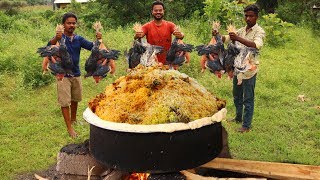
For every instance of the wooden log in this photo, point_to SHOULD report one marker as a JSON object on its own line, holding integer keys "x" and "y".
{"x": 266, "y": 169}
{"x": 192, "y": 176}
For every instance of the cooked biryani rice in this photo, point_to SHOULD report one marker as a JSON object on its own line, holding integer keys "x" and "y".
{"x": 152, "y": 95}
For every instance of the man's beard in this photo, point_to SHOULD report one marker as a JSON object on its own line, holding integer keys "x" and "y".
{"x": 250, "y": 24}
{"x": 157, "y": 18}
{"x": 70, "y": 30}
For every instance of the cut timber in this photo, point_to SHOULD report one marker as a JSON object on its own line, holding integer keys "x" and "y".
{"x": 192, "y": 176}
{"x": 266, "y": 169}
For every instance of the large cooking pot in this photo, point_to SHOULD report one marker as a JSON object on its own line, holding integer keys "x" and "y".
{"x": 155, "y": 148}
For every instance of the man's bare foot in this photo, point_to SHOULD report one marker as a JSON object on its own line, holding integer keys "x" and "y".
{"x": 72, "y": 133}
{"x": 202, "y": 70}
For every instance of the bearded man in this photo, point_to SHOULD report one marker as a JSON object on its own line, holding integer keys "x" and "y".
{"x": 69, "y": 88}
{"x": 158, "y": 31}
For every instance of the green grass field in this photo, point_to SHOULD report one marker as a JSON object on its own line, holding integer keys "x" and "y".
{"x": 32, "y": 129}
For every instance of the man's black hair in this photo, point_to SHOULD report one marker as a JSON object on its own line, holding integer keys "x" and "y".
{"x": 252, "y": 7}
{"x": 157, "y": 3}
{"x": 67, "y": 15}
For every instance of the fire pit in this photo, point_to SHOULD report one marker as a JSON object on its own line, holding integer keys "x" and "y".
{"x": 155, "y": 148}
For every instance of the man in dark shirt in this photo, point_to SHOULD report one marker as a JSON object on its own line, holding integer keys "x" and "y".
{"x": 70, "y": 88}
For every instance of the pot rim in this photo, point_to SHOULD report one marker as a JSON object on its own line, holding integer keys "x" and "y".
{"x": 93, "y": 119}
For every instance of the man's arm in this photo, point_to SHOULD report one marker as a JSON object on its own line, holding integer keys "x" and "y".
{"x": 56, "y": 38}
{"x": 248, "y": 43}
{"x": 139, "y": 35}
{"x": 176, "y": 31}
{"x": 88, "y": 44}
{"x": 215, "y": 33}
{"x": 178, "y": 34}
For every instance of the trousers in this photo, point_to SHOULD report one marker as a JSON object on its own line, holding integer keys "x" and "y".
{"x": 243, "y": 98}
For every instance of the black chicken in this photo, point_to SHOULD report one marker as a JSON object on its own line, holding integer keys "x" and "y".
{"x": 207, "y": 49}
{"x": 109, "y": 54}
{"x": 216, "y": 51}
{"x": 219, "y": 41}
{"x": 176, "y": 53}
{"x": 55, "y": 67}
{"x": 60, "y": 61}
{"x": 228, "y": 58}
{"x": 214, "y": 65}
{"x": 92, "y": 62}
{"x": 48, "y": 51}
{"x": 98, "y": 63}
{"x": 102, "y": 70}
{"x": 66, "y": 61}
{"x": 103, "y": 67}
{"x": 135, "y": 53}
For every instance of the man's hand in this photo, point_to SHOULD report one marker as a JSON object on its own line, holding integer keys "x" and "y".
{"x": 139, "y": 35}
{"x": 56, "y": 38}
{"x": 99, "y": 35}
{"x": 233, "y": 36}
{"x": 178, "y": 34}
{"x": 214, "y": 32}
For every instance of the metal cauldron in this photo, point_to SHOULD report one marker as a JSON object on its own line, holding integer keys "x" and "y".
{"x": 154, "y": 148}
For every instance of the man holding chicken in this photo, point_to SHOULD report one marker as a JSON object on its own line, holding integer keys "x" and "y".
{"x": 158, "y": 32}
{"x": 69, "y": 87}
{"x": 251, "y": 35}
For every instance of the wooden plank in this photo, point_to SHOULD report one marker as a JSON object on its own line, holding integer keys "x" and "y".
{"x": 191, "y": 176}
{"x": 266, "y": 169}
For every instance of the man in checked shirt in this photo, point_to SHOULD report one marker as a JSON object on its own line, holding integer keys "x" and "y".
{"x": 251, "y": 35}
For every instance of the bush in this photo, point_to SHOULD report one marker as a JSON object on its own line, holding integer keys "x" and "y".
{"x": 11, "y": 7}
{"x": 122, "y": 12}
{"x": 300, "y": 12}
{"x": 315, "y": 22}
{"x": 32, "y": 75}
{"x": 5, "y": 22}
{"x": 291, "y": 12}
{"x": 201, "y": 27}
{"x": 225, "y": 11}
{"x": 276, "y": 30}
{"x": 7, "y": 63}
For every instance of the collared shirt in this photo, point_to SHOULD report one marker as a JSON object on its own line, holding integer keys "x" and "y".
{"x": 255, "y": 34}
{"x": 74, "y": 46}
{"x": 159, "y": 35}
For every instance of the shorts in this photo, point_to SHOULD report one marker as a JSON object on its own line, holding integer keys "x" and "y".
{"x": 69, "y": 89}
